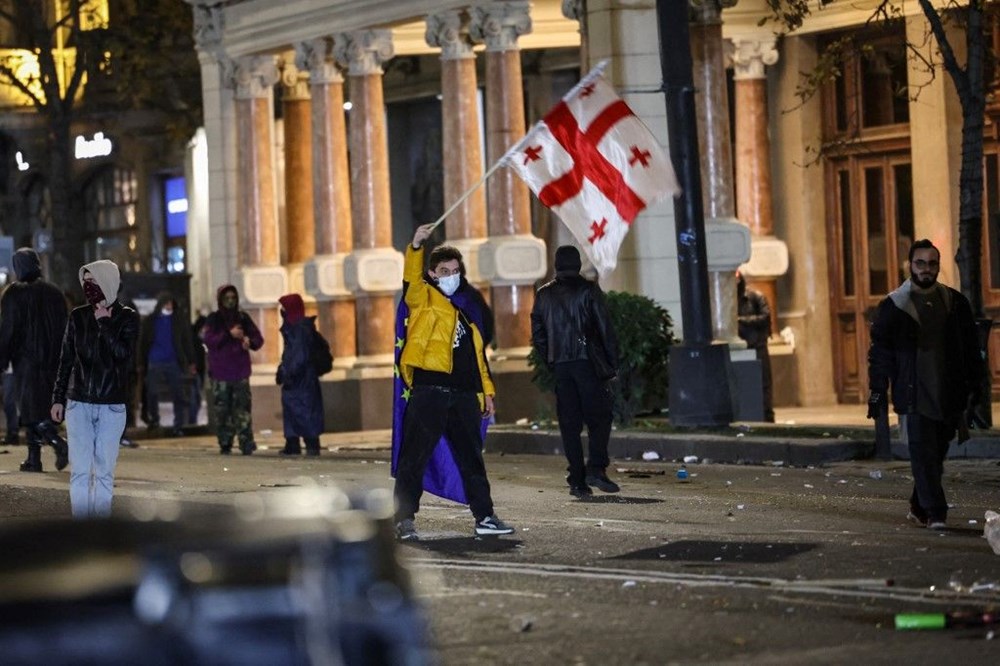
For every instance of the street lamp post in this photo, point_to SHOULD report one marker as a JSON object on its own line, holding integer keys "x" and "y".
{"x": 700, "y": 385}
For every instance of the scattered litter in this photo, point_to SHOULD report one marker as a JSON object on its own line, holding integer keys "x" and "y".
{"x": 523, "y": 421}
{"x": 777, "y": 463}
{"x": 842, "y": 481}
{"x": 740, "y": 507}
{"x": 682, "y": 474}
{"x": 775, "y": 473}
{"x": 875, "y": 474}
{"x": 729, "y": 483}
{"x": 267, "y": 432}
{"x": 225, "y": 469}
{"x": 650, "y": 455}
{"x": 808, "y": 485}
{"x": 640, "y": 473}
{"x": 826, "y": 434}
{"x": 277, "y": 485}
{"x": 521, "y": 623}
{"x": 534, "y": 426}
{"x": 690, "y": 459}
{"x": 718, "y": 559}
{"x": 381, "y": 462}
{"x": 628, "y": 583}
{"x": 973, "y": 521}
{"x": 739, "y": 434}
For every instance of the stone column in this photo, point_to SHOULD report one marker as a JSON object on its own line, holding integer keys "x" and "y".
{"x": 769, "y": 256}
{"x": 463, "y": 160}
{"x": 331, "y": 184}
{"x": 299, "y": 230}
{"x": 373, "y": 270}
{"x": 262, "y": 279}
{"x": 512, "y": 257}
{"x": 717, "y": 167}
{"x": 799, "y": 219}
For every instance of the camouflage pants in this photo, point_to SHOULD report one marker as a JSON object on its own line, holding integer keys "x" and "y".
{"x": 231, "y": 401}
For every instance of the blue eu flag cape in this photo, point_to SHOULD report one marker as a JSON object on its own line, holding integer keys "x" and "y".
{"x": 441, "y": 477}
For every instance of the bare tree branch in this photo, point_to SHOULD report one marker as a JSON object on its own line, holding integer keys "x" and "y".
{"x": 958, "y": 75}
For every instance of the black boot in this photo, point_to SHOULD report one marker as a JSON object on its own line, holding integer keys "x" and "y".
{"x": 312, "y": 446}
{"x": 33, "y": 463}
{"x": 292, "y": 447}
{"x": 48, "y": 433}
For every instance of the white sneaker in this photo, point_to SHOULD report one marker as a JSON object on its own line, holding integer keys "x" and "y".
{"x": 937, "y": 525}
{"x": 406, "y": 530}
{"x": 492, "y": 525}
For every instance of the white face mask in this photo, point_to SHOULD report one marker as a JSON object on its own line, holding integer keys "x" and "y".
{"x": 449, "y": 284}
{"x": 167, "y": 311}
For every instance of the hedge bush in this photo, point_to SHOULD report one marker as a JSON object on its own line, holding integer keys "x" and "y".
{"x": 645, "y": 335}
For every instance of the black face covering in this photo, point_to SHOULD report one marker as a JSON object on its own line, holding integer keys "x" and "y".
{"x": 92, "y": 292}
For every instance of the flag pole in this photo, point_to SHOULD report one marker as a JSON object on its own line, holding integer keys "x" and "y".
{"x": 468, "y": 193}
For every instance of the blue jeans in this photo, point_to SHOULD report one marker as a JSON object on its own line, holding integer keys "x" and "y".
{"x": 94, "y": 432}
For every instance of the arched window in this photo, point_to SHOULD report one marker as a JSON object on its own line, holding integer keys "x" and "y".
{"x": 109, "y": 209}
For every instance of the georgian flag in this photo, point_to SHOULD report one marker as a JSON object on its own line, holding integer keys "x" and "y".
{"x": 596, "y": 165}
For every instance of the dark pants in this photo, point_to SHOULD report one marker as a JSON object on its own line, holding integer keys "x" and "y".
{"x": 583, "y": 398}
{"x": 10, "y": 398}
{"x": 169, "y": 375}
{"x": 432, "y": 412}
{"x": 928, "y": 441}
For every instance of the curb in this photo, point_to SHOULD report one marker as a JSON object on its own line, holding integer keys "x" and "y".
{"x": 796, "y": 452}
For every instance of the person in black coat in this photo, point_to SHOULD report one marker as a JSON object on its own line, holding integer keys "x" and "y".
{"x": 572, "y": 334}
{"x": 33, "y": 316}
{"x": 925, "y": 349}
{"x": 301, "y": 397}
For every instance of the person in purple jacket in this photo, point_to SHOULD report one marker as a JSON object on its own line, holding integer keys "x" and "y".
{"x": 229, "y": 336}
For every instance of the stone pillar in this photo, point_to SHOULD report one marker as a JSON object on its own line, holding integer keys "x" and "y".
{"x": 575, "y": 10}
{"x": 262, "y": 279}
{"x": 300, "y": 242}
{"x": 373, "y": 270}
{"x": 769, "y": 256}
{"x": 511, "y": 251}
{"x": 716, "y": 164}
{"x": 799, "y": 220}
{"x": 465, "y": 228}
{"x": 331, "y": 184}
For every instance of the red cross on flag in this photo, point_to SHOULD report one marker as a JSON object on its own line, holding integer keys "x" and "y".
{"x": 596, "y": 165}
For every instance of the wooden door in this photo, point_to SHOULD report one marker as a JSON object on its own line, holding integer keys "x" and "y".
{"x": 870, "y": 227}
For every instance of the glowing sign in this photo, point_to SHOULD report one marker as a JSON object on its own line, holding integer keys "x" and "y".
{"x": 99, "y": 146}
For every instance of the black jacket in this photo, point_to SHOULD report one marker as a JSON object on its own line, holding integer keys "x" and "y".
{"x": 94, "y": 365}
{"x": 892, "y": 356}
{"x": 32, "y": 322}
{"x": 570, "y": 315}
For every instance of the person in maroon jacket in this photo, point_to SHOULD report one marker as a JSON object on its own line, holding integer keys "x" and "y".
{"x": 229, "y": 336}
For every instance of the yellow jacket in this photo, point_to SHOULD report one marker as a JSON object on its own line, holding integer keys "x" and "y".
{"x": 430, "y": 331}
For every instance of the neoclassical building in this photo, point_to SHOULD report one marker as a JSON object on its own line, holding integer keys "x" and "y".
{"x": 334, "y": 127}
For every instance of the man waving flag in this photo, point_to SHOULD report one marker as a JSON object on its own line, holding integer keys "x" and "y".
{"x": 596, "y": 165}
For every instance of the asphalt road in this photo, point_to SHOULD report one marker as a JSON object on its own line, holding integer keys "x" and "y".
{"x": 741, "y": 564}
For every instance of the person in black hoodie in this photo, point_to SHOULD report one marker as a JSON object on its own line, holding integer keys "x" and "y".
{"x": 572, "y": 334}
{"x": 32, "y": 321}
{"x": 91, "y": 387}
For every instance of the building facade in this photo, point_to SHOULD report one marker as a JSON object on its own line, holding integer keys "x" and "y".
{"x": 334, "y": 127}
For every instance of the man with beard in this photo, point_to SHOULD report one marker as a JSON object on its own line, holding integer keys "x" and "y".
{"x": 924, "y": 346}
{"x": 33, "y": 316}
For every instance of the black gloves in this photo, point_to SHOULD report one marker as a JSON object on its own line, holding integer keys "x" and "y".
{"x": 878, "y": 405}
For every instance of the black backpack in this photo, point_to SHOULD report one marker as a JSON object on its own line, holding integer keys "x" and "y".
{"x": 320, "y": 355}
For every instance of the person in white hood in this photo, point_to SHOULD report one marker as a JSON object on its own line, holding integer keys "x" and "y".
{"x": 92, "y": 387}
